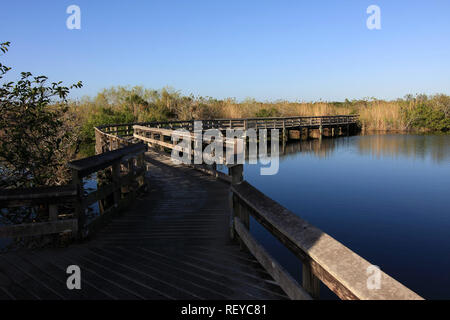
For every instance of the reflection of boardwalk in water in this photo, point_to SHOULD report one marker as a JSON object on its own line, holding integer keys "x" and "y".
{"x": 319, "y": 147}
{"x": 411, "y": 146}
{"x": 420, "y": 147}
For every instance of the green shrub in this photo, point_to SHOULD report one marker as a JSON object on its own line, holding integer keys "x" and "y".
{"x": 38, "y": 133}
{"x": 267, "y": 113}
{"x": 425, "y": 116}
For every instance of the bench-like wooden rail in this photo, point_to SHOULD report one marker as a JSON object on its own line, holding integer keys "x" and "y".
{"x": 125, "y": 168}
{"x": 48, "y": 199}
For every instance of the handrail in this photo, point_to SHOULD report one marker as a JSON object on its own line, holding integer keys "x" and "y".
{"x": 228, "y": 123}
{"x": 126, "y": 170}
{"x": 48, "y": 199}
{"x": 353, "y": 117}
{"x": 35, "y": 195}
{"x": 126, "y": 167}
{"x": 156, "y": 137}
{"x": 323, "y": 257}
{"x": 92, "y": 164}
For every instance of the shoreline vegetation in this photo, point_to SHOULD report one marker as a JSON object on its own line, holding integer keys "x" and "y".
{"x": 41, "y": 129}
{"x": 413, "y": 113}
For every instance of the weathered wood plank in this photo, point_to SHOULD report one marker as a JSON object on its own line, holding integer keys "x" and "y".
{"x": 92, "y": 164}
{"x": 341, "y": 269}
{"x": 38, "y": 228}
{"x": 281, "y": 276}
{"x": 310, "y": 282}
{"x": 36, "y": 195}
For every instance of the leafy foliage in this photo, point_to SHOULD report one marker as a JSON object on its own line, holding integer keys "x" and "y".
{"x": 427, "y": 112}
{"x": 267, "y": 113}
{"x": 37, "y": 132}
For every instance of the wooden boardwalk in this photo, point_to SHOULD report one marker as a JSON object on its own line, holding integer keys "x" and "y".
{"x": 173, "y": 243}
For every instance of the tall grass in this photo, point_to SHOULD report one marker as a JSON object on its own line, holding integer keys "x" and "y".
{"x": 137, "y": 104}
{"x": 382, "y": 115}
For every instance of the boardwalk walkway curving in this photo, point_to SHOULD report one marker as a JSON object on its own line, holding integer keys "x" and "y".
{"x": 173, "y": 243}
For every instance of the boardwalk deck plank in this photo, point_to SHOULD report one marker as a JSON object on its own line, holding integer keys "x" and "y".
{"x": 172, "y": 243}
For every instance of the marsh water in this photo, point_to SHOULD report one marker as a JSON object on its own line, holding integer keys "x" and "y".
{"x": 386, "y": 197}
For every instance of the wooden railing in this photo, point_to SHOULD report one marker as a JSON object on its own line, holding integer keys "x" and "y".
{"x": 123, "y": 171}
{"x": 126, "y": 130}
{"x": 47, "y": 202}
{"x": 162, "y": 139}
{"x": 122, "y": 174}
{"x": 105, "y": 141}
{"x": 323, "y": 258}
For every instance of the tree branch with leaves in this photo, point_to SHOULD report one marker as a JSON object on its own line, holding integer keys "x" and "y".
{"x": 38, "y": 133}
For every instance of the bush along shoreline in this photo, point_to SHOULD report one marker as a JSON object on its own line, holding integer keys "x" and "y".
{"x": 418, "y": 113}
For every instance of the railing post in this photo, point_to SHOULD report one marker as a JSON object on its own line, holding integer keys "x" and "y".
{"x": 310, "y": 282}
{"x": 80, "y": 213}
{"x": 130, "y": 188}
{"x": 161, "y": 138}
{"x": 140, "y": 164}
{"x": 236, "y": 174}
{"x": 53, "y": 212}
{"x": 320, "y": 129}
{"x": 116, "y": 183}
{"x": 98, "y": 142}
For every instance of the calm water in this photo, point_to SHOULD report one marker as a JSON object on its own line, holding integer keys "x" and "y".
{"x": 386, "y": 197}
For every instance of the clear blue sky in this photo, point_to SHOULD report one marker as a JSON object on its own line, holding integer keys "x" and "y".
{"x": 296, "y": 50}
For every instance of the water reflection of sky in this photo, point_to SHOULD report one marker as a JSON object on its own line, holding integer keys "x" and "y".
{"x": 420, "y": 147}
{"x": 384, "y": 196}
{"x": 90, "y": 185}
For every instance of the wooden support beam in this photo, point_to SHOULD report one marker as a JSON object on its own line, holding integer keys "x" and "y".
{"x": 295, "y": 134}
{"x": 339, "y": 268}
{"x": 79, "y": 213}
{"x": 236, "y": 174}
{"x": 38, "y": 228}
{"x": 310, "y": 282}
{"x": 116, "y": 183}
{"x": 53, "y": 212}
{"x": 280, "y": 275}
